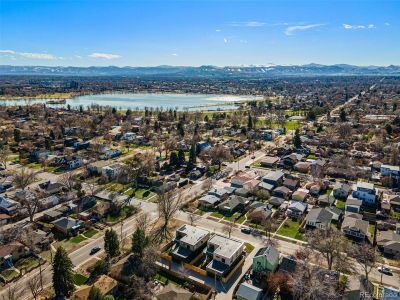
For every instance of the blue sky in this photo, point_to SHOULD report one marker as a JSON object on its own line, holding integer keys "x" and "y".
{"x": 149, "y": 33}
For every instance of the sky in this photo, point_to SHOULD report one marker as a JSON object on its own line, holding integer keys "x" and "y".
{"x": 194, "y": 33}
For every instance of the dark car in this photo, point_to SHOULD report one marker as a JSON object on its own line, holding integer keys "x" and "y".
{"x": 94, "y": 250}
{"x": 245, "y": 230}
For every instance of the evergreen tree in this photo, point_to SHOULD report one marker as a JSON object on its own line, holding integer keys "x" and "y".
{"x": 63, "y": 278}
{"x": 389, "y": 129}
{"x": 81, "y": 109}
{"x": 17, "y": 135}
{"x": 68, "y": 107}
{"x": 111, "y": 243}
{"x": 250, "y": 122}
{"x": 101, "y": 267}
{"x": 206, "y": 119}
{"x": 114, "y": 110}
{"x": 52, "y": 135}
{"x": 128, "y": 113}
{"x": 296, "y": 139}
{"x": 394, "y": 107}
{"x": 173, "y": 159}
{"x": 192, "y": 155}
{"x": 311, "y": 115}
{"x": 342, "y": 115}
{"x": 95, "y": 294}
{"x": 139, "y": 242}
{"x": 181, "y": 157}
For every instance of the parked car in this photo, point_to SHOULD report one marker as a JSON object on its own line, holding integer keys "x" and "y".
{"x": 385, "y": 270}
{"x": 245, "y": 230}
{"x": 94, "y": 250}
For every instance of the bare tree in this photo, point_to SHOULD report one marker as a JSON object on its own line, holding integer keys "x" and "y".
{"x": 219, "y": 154}
{"x": 143, "y": 221}
{"x": 228, "y": 228}
{"x": 13, "y": 293}
{"x": 4, "y": 153}
{"x": 34, "y": 286}
{"x": 366, "y": 256}
{"x": 23, "y": 178}
{"x": 168, "y": 205}
{"x": 193, "y": 218}
{"x": 330, "y": 243}
{"x": 67, "y": 180}
{"x": 270, "y": 227}
{"x": 28, "y": 200}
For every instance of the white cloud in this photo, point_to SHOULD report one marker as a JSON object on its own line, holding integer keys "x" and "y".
{"x": 243, "y": 41}
{"x": 349, "y": 26}
{"x": 292, "y": 29}
{"x": 387, "y": 24}
{"x": 78, "y": 56}
{"x": 7, "y": 51}
{"x": 226, "y": 40}
{"x": 104, "y": 55}
{"x": 217, "y": 30}
{"x": 174, "y": 54}
{"x": 248, "y": 24}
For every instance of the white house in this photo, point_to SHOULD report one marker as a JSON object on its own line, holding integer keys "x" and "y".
{"x": 365, "y": 192}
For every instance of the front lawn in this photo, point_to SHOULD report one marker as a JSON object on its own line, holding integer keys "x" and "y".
{"x": 9, "y": 274}
{"x": 27, "y": 263}
{"x": 90, "y": 233}
{"x": 124, "y": 212}
{"x": 166, "y": 278}
{"x": 248, "y": 248}
{"x": 291, "y": 229}
{"x": 340, "y": 204}
{"x": 140, "y": 193}
{"x": 77, "y": 239}
{"x": 217, "y": 214}
{"x": 80, "y": 279}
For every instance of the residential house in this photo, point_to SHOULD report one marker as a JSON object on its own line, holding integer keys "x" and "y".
{"x": 289, "y": 161}
{"x": 96, "y": 168}
{"x": 67, "y": 225}
{"x": 104, "y": 283}
{"x": 4, "y": 219}
{"x": 353, "y": 205}
{"x": 73, "y": 162}
{"x": 266, "y": 260}
{"x": 288, "y": 264}
{"x": 275, "y": 201}
{"x": 173, "y": 292}
{"x": 296, "y": 209}
{"x": 50, "y": 188}
{"x": 247, "y": 291}
{"x": 8, "y": 206}
{"x": 233, "y": 204}
{"x": 221, "y": 193}
{"x": 48, "y": 202}
{"x": 112, "y": 171}
{"x": 336, "y": 212}
{"x": 302, "y": 167}
{"x": 300, "y": 195}
{"x": 269, "y": 162}
{"x": 318, "y": 218}
{"x": 291, "y": 184}
{"x": 208, "y": 201}
{"x": 225, "y": 253}
{"x": 341, "y": 190}
{"x": 12, "y": 252}
{"x": 274, "y": 177}
{"x": 265, "y": 186}
{"x": 326, "y": 200}
{"x": 52, "y": 215}
{"x": 355, "y": 228}
{"x": 388, "y": 170}
{"x": 357, "y": 288}
{"x": 282, "y": 192}
{"x": 190, "y": 241}
{"x": 365, "y": 192}
{"x": 259, "y": 214}
{"x": 389, "y": 241}
{"x": 267, "y": 135}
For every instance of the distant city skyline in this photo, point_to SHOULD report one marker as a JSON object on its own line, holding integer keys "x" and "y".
{"x": 192, "y": 33}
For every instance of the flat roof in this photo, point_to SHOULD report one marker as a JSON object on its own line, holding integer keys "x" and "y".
{"x": 226, "y": 246}
{"x": 192, "y": 235}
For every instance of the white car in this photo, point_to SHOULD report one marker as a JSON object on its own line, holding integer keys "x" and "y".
{"x": 385, "y": 270}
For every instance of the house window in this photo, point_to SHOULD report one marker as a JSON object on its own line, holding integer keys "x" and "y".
{"x": 223, "y": 260}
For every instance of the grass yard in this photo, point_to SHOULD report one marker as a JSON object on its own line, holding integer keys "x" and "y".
{"x": 241, "y": 219}
{"x": 27, "y": 263}
{"x": 35, "y": 166}
{"x": 90, "y": 233}
{"x": 217, "y": 214}
{"x": 232, "y": 217}
{"x": 9, "y": 274}
{"x": 166, "y": 278}
{"x": 289, "y": 125}
{"x": 77, "y": 239}
{"x": 125, "y": 212}
{"x": 340, "y": 204}
{"x": 371, "y": 229}
{"x": 291, "y": 229}
{"x": 80, "y": 279}
{"x": 248, "y": 248}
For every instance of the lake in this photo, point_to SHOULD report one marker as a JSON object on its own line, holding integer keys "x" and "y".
{"x": 151, "y": 100}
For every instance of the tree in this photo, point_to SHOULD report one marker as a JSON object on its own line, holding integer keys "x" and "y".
{"x": 366, "y": 256}
{"x": 168, "y": 205}
{"x": 311, "y": 116}
{"x": 330, "y": 243}
{"x": 193, "y": 218}
{"x": 108, "y": 297}
{"x": 278, "y": 281}
{"x": 63, "y": 276}
{"x": 4, "y": 153}
{"x": 270, "y": 227}
{"x": 34, "y": 286}
{"x": 228, "y": 228}
{"x": 139, "y": 241}
{"x": 22, "y": 179}
{"x": 111, "y": 243}
{"x": 297, "y": 139}
{"x": 13, "y": 293}
{"x": 181, "y": 157}
{"x": 95, "y": 294}
{"x": 101, "y": 267}
{"x": 219, "y": 154}
{"x": 174, "y": 160}
{"x": 17, "y": 135}
{"x": 389, "y": 129}
{"x": 249, "y": 122}
{"x": 343, "y": 115}
{"x": 192, "y": 155}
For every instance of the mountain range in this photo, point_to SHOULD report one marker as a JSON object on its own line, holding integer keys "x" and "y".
{"x": 207, "y": 71}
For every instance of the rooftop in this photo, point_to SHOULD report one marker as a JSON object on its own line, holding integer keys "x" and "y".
{"x": 192, "y": 235}
{"x": 225, "y": 247}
